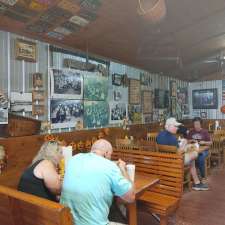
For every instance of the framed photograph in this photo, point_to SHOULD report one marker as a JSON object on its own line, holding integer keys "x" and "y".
{"x": 173, "y": 88}
{"x": 203, "y": 115}
{"x": 26, "y": 50}
{"x": 146, "y": 79}
{"x": 38, "y": 110}
{"x": 38, "y": 95}
{"x": 135, "y": 114}
{"x": 182, "y": 96}
{"x": 134, "y": 92}
{"x": 67, "y": 84}
{"x": 205, "y": 99}
{"x": 66, "y": 113}
{"x": 147, "y": 102}
{"x": 117, "y": 79}
{"x": 95, "y": 87}
{"x": 37, "y": 80}
{"x": 117, "y": 95}
{"x": 161, "y": 99}
{"x": 96, "y": 114}
{"x": 118, "y": 111}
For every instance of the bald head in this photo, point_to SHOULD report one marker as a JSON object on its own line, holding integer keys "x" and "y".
{"x": 103, "y": 148}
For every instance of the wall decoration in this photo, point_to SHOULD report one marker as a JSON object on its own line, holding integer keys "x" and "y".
{"x": 79, "y": 21}
{"x": 173, "y": 106}
{"x": 38, "y": 109}
{"x": 145, "y": 79}
{"x": 118, "y": 111}
{"x": 147, "y": 118}
{"x": 147, "y": 102}
{"x": 95, "y": 87}
{"x": 9, "y": 2}
{"x": 3, "y": 116}
{"x": 134, "y": 91}
{"x": 26, "y": 50}
{"x": 155, "y": 116}
{"x": 117, "y": 79}
{"x": 117, "y": 95}
{"x": 55, "y": 35}
{"x": 182, "y": 96}
{"x": 66, "y": 113}
{"x": 71, "y": 26}
{"x": 38, "y": 95}
{"x": 66, "y": 84}
{"x": 69, "y": 5}
{"x": 134, "y": 112}
{"x": 161, "y": 99}
{"x": 205, "y": 99}
{"x": 96, "y": 114}
{"x": 20, "y": 102}
{"x": 37, "y": 80}
{"x": 173, "y": 88}
{"x": 203, "y": 115}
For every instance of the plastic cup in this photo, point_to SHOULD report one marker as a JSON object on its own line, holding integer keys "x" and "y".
{"x": 131, "y": 171}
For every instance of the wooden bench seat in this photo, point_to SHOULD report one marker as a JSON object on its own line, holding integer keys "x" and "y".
{"x": 163, "y": 199}
{"x": 18, "y": 208}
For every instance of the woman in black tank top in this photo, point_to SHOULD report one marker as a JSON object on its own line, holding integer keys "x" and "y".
{"x": 45, "y": 162}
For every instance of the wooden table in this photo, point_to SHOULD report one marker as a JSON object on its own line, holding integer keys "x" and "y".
{"x": 141, "y": 184}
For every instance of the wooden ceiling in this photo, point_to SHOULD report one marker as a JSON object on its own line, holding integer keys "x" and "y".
{"x": 188, "y": 43}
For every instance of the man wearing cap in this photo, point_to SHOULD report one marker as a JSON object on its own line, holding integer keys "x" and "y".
{"x": 167, "y": 137}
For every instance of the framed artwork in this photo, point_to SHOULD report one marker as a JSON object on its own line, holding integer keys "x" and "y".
{"x": 173, "y": 106}
{"x": 173, "y": 88}
{"x": 67, "y": 84}
{"x": 38, "y": 95}
{"x": 96, "y": 114}
{"x": 134, "y": 113}
{"x": 38, "y": 110}
{"x": 161, "y": 99}
{"x": 95, "y": 87}
{"x": 117, "y": 79}
{"x": 147, "y": 118}
{"x": 205, "y": 99}
{"x": 203, "y": 115}
{"x": 26, "y": 50}
{"x": 134, "y": 91}
{"x": 147, "y": 102}
{"x": 117, "y": 95}
{"x": 182, "y": 96}
{"x": 37, "y": 80}
{"x": 146, "y": 79}
{"x": 66, "y": 113}
{"x": 118, "y": 111}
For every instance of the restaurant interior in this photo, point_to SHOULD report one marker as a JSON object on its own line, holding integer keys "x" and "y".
{"x": 76, "y": 72}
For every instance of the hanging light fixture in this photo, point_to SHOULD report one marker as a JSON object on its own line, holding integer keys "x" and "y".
{"x": 152, "y": 10}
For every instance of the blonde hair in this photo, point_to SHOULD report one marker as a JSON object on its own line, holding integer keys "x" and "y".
{"x": 49, "y": 150}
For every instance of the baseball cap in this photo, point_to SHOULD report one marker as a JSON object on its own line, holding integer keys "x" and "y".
{"x": 172, "y": 121}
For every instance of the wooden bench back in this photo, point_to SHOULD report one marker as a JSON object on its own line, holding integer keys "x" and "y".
{"x": 18, "y": 208}
{"x": 168, "y": 167}
{"x": 166, "y": 148}
{"x": 146, "y": 145}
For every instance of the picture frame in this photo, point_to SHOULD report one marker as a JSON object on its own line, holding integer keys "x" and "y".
{"x": 117, "y": 79}
{"x": 147, "y": 102}
{"x": 26, "y": 50}
{"x": 203, "y": 115}
{"x": 37, "y": 79}
{"x": 38, "y": 95}
{"x": 134, "y": 91}
{"x": 173, "y": 106}
{"x": 205, "y": 99}
{"x": 173, "y": 88}
{"x": 38, "y": 110}
{"x": 161, "y": 99}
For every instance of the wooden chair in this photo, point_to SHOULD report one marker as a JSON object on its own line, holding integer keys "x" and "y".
{"x": 146, "y": 145}
{"x": 173, "y": 150}
{"x": 152, "y": 136}
{"x": 18, "y": 208}
{"x": 164, "y": 198}
{"x": 217, "y": 148}
{"x": 125, "y": 144}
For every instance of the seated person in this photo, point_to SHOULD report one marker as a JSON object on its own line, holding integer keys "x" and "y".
{"x": 202, "y": 137}
{"x": 90, "y": 182}
{"x": 41, "y": 177}
{"x": 167, "y": 137}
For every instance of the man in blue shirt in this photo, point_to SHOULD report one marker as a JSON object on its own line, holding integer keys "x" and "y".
{"x": 167, "y": 137}
{"x": 91, "y": 180}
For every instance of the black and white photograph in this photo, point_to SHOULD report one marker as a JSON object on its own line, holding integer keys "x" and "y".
{"x": 67, "y": 84}
{"x": 66, "y": 113}
{"x": 117, "y": 95}
{"x": 3, "y": 116}
{"x": 118, "y": 111}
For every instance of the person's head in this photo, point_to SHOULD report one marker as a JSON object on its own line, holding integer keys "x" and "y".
{"x": 103, "y": 148}
{"x": 197, "y": 123}
{"x": 50, "y": 150}
{"x": 172, "y": 125}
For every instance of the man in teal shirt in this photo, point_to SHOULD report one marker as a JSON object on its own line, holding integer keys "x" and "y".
{"x": 91, "y": 180}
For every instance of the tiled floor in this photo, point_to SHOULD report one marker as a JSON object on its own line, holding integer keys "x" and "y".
{"x": 198, "y": 208}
